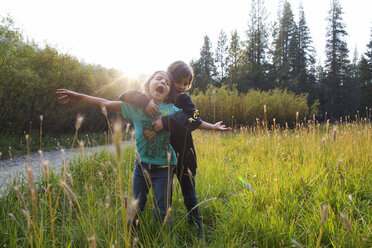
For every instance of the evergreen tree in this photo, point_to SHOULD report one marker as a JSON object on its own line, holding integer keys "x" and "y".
{"x": 204, "y": 67}
{"x": 285, "y": 45}
{"x": 234, "y": 61}
{"x": 304, "y": 62}
{"x": 221, "y": 56}
{"x": 365, "y": 69}
{"x": 256, "y": 47}
{"x": 337, "y": 61}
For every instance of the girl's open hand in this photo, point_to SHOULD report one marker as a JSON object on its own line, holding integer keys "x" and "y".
{"x": 219, "y": 127}
{"x": 68, "y": 95}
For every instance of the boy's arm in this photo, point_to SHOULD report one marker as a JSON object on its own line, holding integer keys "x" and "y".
{"x": 139, "y": 99}
{"x": 69, "y": 95}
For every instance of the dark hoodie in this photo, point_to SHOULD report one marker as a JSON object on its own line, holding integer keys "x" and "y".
{"x": 180, "y": 125}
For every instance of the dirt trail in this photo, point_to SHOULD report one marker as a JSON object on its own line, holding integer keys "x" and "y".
{"x": 16, "y": 167}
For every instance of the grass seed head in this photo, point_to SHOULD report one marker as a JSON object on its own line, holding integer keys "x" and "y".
{"x": 346, "y": 223}
{"x": 324, "y": 213}
{"x": 26, "y": 213}
{"x": 135, "y": 241}
{"x": 30, "y": 176}
{"x": 12, "y": 216}
{"x": 295, "y": 243}
{"x": 68, "y": 190}
{"x": 104, "y": 111}
{"x": 70, "y": 179}
{"x": 133, "y": 210}
{"x": 79, "y": 121}
{"x": 167, "y": 215}
{"x": 45, "y": 165}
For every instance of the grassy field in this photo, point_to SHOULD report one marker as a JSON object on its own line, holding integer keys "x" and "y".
{"x": 307, "y": 187}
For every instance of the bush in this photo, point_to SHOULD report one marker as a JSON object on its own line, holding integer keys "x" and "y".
{"x": 235, "y": 108}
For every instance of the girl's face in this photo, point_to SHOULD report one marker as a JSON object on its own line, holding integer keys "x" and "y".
{"x": 181, "y": 85}
{"x": 159, "y": 86}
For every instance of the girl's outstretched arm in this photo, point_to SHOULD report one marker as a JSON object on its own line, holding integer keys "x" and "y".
{"x": 218, "y": 126}
{"x": 69, "y": 95}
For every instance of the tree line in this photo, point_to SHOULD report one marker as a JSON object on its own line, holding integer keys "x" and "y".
{"x": 286, "y": 61}
{"x": 30, "y": 75}
{"x": 248, "y": 74}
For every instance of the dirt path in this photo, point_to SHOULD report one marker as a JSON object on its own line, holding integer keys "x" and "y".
{"x": 9, "y": 169}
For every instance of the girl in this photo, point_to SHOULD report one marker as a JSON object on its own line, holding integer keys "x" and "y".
{"x": 155, "y": 152}
{"x": 180, "y": 125}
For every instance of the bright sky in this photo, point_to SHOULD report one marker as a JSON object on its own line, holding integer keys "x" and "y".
{"x": 141, "y": 36}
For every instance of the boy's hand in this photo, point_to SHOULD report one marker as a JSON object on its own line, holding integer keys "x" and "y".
{"x": 158, "y": 124}
{"x": 219, "y": 127}
{"x": 152, "y": 109}
{"x": 68, "y": 95}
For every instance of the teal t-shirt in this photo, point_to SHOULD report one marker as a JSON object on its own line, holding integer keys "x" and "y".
{"x": 152, "y": 146}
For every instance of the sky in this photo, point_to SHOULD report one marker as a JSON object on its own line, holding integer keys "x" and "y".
{"x": 142, "y": 36}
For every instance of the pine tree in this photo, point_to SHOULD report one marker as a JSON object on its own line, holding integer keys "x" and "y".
{"x": 221, "y": 56}
{"x": 285, "y": 43}
{"x": 337, "y": 61}
{"x": 234, "y": 61}
{"x": 304, "y": 63}
{"x": 204, "y": 67}
{"x": 256, "y": 47}
{"x": 365, "y": 69}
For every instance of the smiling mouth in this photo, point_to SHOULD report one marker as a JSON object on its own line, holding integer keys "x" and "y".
{"x": 159, "y": 90}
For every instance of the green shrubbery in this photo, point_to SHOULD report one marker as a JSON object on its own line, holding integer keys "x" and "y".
{"x": 233, "y": 107}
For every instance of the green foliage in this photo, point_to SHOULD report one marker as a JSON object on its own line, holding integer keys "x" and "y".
{"x": 29, "y": 77}
{"x": 234, "y": 108}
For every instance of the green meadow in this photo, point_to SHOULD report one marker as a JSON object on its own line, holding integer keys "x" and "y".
{"x": 257, "y": 187}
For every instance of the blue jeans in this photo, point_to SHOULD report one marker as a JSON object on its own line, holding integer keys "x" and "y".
{"x": 161, "y": 180}
{"x": 187, "y": 183}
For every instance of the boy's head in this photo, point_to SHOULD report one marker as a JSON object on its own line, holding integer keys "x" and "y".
{"x": 183, "y": 76}
{"x": 158, "y": 87}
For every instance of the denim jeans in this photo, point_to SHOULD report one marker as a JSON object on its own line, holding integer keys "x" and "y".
{"x": 187, "y": 183}
{"x": 161, "y": 179}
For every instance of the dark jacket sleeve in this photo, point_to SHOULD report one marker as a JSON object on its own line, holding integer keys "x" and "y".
{"x": 136, "y": 98}
{"x": 187, "y": 120}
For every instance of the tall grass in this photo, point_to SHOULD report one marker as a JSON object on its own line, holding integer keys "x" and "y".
{"x": 308, "y": 187}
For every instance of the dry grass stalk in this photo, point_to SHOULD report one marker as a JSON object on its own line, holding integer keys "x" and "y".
{"x": 295, "y": 243}
{"x": 92, "y": 241}
{"x": 134, "y": 243}
{"x": 45, "y": 165}
{"x": 346, "y": 223}
{"x": 133, "y": 210}
{"x": 167, "y": 216}
{"x": 117, "y": 139}
{"x": 20, "y": 197}
{"x": 79, "y": 121}
{"x": 324, "y": 213}
{"x": 68, "y": 190}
